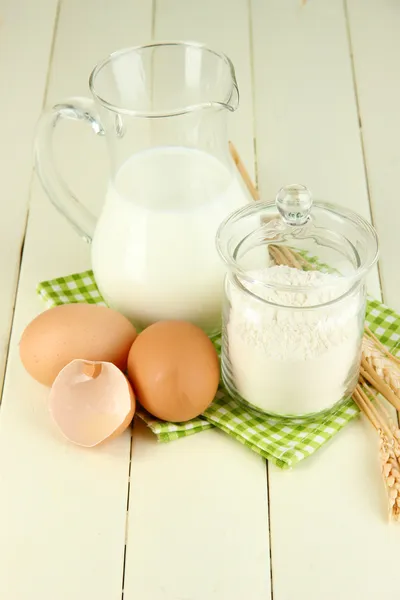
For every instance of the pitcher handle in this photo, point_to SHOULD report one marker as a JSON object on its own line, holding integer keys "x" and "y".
{"x": 80, "y": 109}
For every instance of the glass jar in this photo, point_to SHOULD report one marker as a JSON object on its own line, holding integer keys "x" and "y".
{"x": 294, "y": 308}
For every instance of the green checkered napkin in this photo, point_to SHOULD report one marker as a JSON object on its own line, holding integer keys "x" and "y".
{"x": 284, "y": 441}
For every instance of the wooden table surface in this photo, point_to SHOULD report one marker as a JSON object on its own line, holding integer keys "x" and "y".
{"x": 202, "y": 518}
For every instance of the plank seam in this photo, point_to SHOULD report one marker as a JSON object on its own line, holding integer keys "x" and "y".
{"x": 355, "y": 87}
{"x": 253, "y": 87}
{"x": 254, "y": 125}
{"x": 269, "y": 531}
{"x": 127, "y": 515}
{"x": 25, "y": 226}
{"x": 153, "y": 19}
{"x": 52, "y": 48}
{"x": 353, "y": 68}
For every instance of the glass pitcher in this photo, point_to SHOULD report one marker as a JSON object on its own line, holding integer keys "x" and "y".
{"x": 162, "y": 108}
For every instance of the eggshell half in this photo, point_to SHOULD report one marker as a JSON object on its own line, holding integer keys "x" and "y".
{"x": 64, "y": 333}
{"x": 174, "y": 370}
{"x": 91, "y": 402}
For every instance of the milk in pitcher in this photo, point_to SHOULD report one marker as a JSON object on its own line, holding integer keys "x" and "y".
{"x": 153, "y": 251}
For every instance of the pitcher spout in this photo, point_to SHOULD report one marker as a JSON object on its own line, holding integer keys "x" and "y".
{"x": 165, "y": 79}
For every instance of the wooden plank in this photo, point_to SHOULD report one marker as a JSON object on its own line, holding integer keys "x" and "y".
{"x": 62, "y": 509}
{"x": 198, "y": 522}
{"x": 21, "y": 100}
{"x": 306, "y": 114}
{"x": 330, "y": 535}
{"x": 329, "y": 532}
{"x": 198, "y": 517}
{"x": 378, "y": 87}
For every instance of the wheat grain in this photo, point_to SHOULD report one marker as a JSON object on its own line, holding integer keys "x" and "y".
{"x": 385, "y": 368}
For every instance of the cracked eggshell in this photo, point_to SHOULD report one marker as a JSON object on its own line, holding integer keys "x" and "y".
{"x": 64, "y": 333}
{"x": 91, "y": 402}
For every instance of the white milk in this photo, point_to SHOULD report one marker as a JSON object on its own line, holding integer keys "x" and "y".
{"x": 153, "y": 253}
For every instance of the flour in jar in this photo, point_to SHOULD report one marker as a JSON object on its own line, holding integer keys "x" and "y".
{"x": 290, "y": 355}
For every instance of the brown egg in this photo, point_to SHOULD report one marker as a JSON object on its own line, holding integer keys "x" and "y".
{"x": 174, "y": 369}
{"x": 64, "y": 333}
{"x": 91, "y": 402}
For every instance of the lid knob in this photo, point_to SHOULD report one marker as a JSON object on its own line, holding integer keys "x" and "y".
{"x": 294, "y": 203}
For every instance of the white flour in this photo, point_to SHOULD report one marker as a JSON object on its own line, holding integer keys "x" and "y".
{"x": 287, "y": 360}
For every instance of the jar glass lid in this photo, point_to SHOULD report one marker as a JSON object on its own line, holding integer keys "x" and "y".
{"x": 299, "y": 233}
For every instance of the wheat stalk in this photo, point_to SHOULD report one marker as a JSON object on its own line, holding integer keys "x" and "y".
{"x": 389, "y": 446}
{"x": 385, "y": 367}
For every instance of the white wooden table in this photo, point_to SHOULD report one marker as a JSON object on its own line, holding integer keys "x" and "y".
{"x": 202, "y": 518}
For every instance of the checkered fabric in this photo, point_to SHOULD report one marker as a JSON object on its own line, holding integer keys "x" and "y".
{"x": 283, "y": 441}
